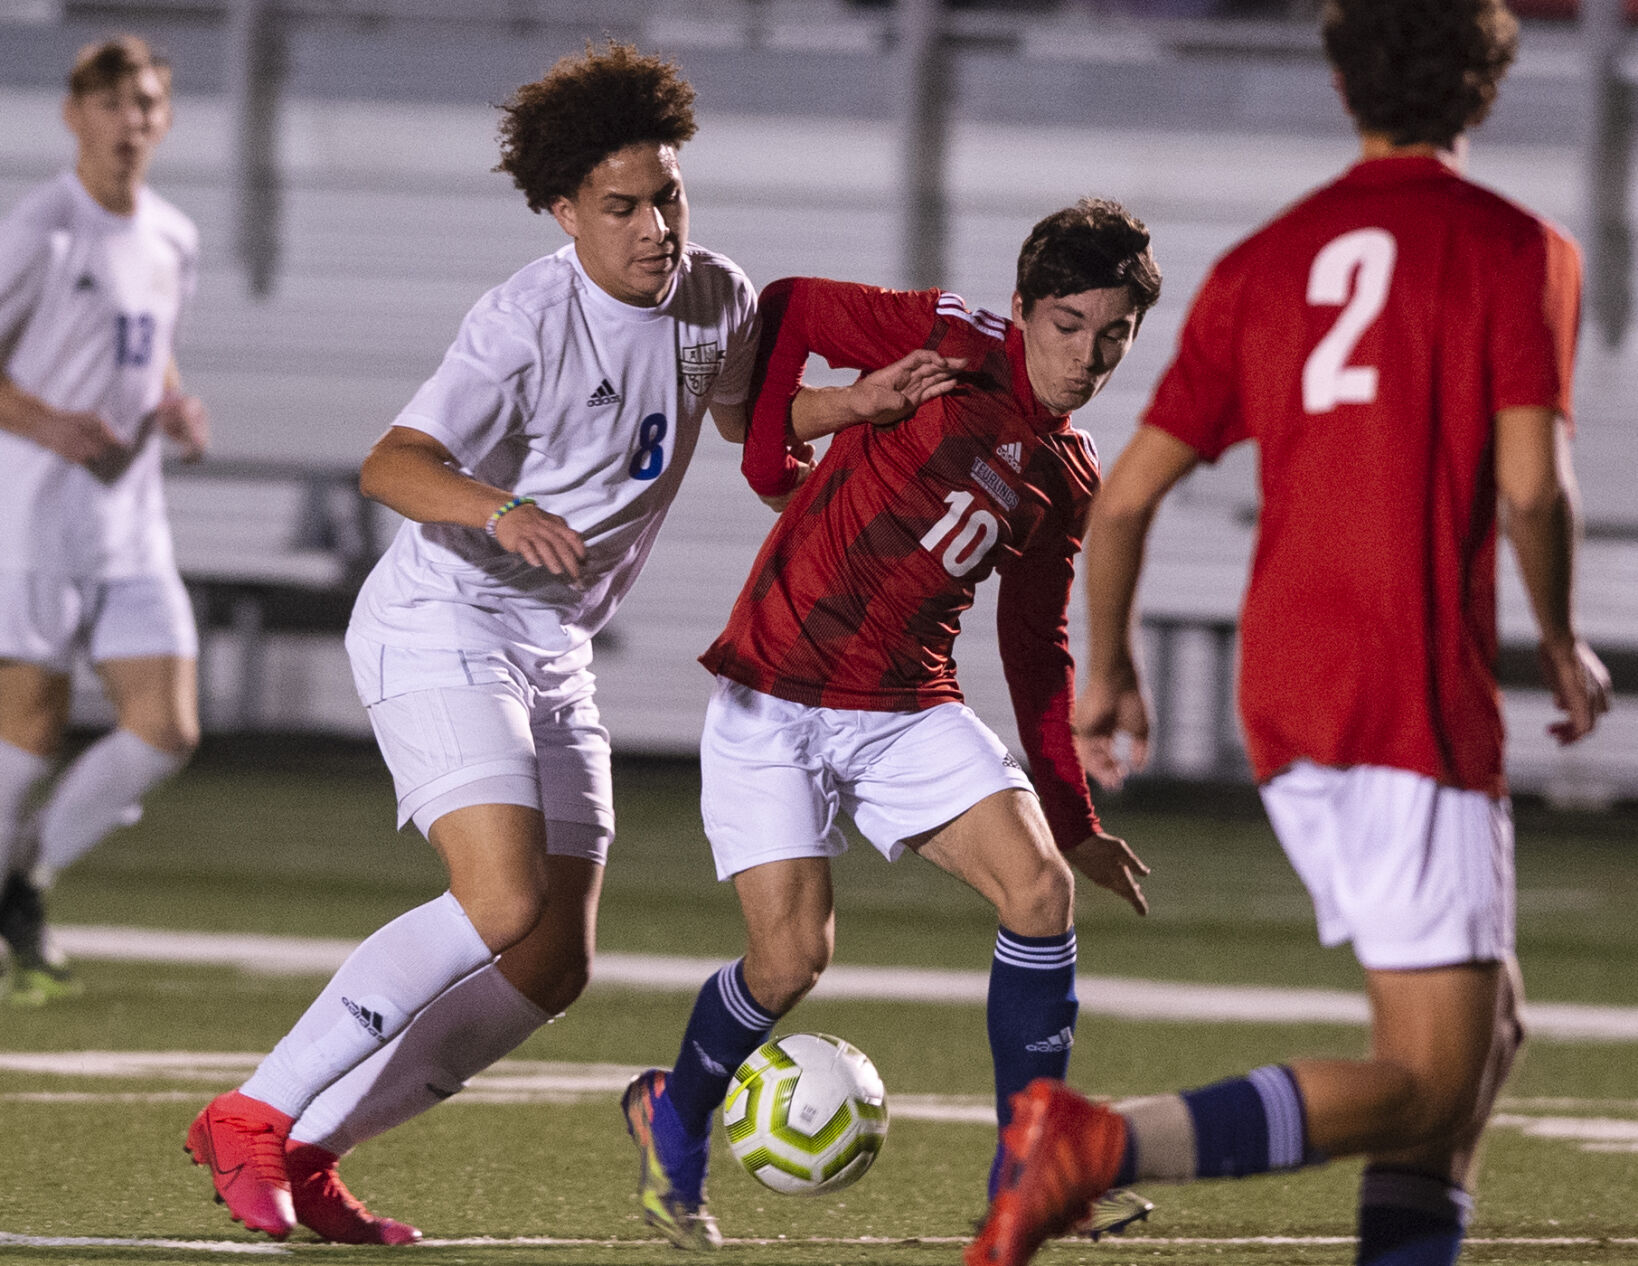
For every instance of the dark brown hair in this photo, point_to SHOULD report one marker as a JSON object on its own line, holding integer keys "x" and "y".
{"x": 1419, "y": 71}
{"x": 555, "y": 130}
{"x": 1097, "y": 244}
{"x": 102, "y": 65}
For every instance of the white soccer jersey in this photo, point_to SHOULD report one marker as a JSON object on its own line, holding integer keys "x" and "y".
{"x": 557, "y": 390}
{"x": 89, "y": 304}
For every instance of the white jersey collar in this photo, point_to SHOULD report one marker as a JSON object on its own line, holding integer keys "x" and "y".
{"x": 607, "y": 304}
{"x": 92, "y": 207}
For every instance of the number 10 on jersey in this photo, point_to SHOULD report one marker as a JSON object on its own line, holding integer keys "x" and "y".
{"x": 974, "y": 533}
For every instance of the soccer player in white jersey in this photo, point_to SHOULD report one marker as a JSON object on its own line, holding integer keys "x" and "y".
{"x": 95, "y": 269}
{"x": 535, "y": 468}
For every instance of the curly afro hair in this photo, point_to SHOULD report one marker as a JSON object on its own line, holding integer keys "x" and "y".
{"x": 1097, "y": 244}
{"x": 1419, "y": 71}
{"x": 555, "y": 130}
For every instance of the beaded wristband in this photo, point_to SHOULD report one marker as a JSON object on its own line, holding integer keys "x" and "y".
{"x": 505, "y": 509}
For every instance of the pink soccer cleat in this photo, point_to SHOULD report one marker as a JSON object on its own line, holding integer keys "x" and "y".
{"x": 1062, "y": 1152}
{"x": 325, "y": 1206}
{"x": 242, "y": 1141}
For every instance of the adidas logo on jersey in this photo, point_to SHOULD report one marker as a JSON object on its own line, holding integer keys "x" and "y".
{"x": 1059, "y": 1041}
{"x": 605, "y": 394}
{"x": 1012, "y": 454}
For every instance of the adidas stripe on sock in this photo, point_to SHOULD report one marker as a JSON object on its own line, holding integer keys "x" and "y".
{"x": 1030, "y": 1015}
{"x": 727, "y": 1024}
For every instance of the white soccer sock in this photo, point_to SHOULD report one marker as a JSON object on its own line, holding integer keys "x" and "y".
{"x": 460, "y": 1033}
{"x": 20, "y": 771}
{"x": 375, "y": 993}
{"x": 102, "y": 789}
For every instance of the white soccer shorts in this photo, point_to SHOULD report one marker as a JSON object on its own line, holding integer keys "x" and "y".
{"x": 46, "y": 619}
{"x": 462, "y": 728}
{"x": 775, "y": 773}
{"x": 1414, "y": 874}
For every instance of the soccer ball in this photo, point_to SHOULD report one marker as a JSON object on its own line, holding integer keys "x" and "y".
{"x": 806, "y": 1114}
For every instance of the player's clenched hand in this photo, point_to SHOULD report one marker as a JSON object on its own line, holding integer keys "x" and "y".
{"x": 543, "y": 539}
{"x": 184, "y": 419}
{"x": 1108, "y": 708}
{"x": 806, "y": 463}
{"x": 80, "y": 437}
{"x": 893, "y": 393}
{"x": 1580, "y": 684}
{"x": 1110, "y": 863}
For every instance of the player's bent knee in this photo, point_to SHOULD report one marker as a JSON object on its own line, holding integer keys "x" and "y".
{"x": 501, "y": 918}
{"x": 781, "y": 980}
{"x": 1042, "y": 906}
{"x": 555, "y": 991}
{"x": 177, "y": 740}
{"x": 1440, "y": 1106}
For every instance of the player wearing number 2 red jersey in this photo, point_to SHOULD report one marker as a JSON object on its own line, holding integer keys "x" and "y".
{"x": 1398, "y": 346}
{"x": 835, "y": 683}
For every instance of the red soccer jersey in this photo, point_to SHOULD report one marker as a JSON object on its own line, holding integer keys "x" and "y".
{"x": 1365, "y": 339}
{"x": 856, "y": 597}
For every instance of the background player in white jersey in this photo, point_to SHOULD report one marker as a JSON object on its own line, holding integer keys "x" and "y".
{"x": 535, "y": 466}
{"x": 95, "y": 269}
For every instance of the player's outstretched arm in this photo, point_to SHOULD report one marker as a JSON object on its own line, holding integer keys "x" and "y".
{"x": 1110, "y": 863}
{"x": 1112, "y": 701}
{"x": 411, "y": 472}
{"x": 882, "y": 397}
{"x": 1536, "y": 485}
{"x": 82, "y": 438}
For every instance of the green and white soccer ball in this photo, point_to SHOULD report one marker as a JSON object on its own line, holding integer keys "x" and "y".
{"x": 806, "y": 1114}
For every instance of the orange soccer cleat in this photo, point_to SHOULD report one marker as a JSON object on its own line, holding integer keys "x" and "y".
{"x": 325, "y": 1206}
{"x": 242, "y": 1141}
{"x": 1062, "y": 1152}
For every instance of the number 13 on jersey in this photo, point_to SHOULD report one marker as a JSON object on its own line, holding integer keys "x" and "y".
{"x": 1352, "y": 271}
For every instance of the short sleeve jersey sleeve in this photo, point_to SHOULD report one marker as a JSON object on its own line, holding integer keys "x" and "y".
{"x": 25, "y": 260}
{"x": 733, "y": 384}
{"x": 1537, "y": 306}
{"x": 1197, "y": 401}
{"x": 486, "y": 385}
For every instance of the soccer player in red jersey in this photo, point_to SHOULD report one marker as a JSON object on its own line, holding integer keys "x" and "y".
{"x": 836, "y": 688}
{"x": 1399, "y": 347}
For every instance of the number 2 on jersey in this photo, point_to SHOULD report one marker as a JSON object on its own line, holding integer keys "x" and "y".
{"x": 971, "y": 543}
{"x": 1353, "y": 270}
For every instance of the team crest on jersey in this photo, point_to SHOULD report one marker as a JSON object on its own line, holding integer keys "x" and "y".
{"x": 700, "y": 364}
{"x": 991, "y": 481}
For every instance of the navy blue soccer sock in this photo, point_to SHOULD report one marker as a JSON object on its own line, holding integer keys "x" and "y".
{"x": 1031, "y": 1015}
{"x": 726, "y": 1026}
{"x": 1408, "y": 1218}
{"x": 1245, "y": 1125}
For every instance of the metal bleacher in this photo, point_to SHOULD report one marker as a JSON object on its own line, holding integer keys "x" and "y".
{"x": 392, "y": 225}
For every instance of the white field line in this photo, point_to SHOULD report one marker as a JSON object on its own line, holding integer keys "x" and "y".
{"x": 525, "y": 1082}
{"x": 8, "y": 1240}
{"x": 1122, "y": 997}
